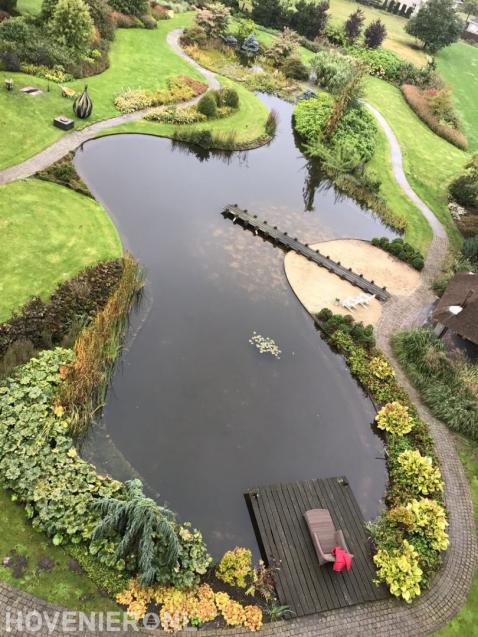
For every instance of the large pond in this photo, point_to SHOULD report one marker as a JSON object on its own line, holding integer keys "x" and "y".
{"x": 194, "y": 409}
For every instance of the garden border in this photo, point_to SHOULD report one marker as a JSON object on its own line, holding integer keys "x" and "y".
{"x": 432, "y": 609}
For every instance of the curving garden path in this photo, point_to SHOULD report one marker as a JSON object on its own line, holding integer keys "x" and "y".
{"x": 382, "y": 619}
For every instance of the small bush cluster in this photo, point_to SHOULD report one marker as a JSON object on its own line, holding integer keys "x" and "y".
{"x": 180, "y": 89}
{"x": 440, "y": 381}
{"x": 395, "y": 418}
{"x": 362, "y": 334}
{"x": 332, "y": 71}
{"x": 56, "y": 74}
{"x": 63, "y": 172}
{"x": 235, "y": 567}
{"x": 402, "y": 250}
{"x": 464, "y": 189}
{"x": 193, "y": 607}
{"x": 423, "y": 107}
{"x": 175, "y": 115}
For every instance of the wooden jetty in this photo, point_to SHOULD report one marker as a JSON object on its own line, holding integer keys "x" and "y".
{"x": 286, "y": 242}
{"x": 277, "y": 514}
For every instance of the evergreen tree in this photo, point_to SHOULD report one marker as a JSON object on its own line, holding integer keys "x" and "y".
{"x": 270, "y": 13}
{"x": 375, "y": 34}
{"x": 310, "y": 18}
{"x": 250, "y": 48}
{"x": 142, "y": 526}
{"x": 71, "y": 24}
{"x": 437, "y": 24}
{"x": 47, "y": 8}
{"x": 353, "y": 25}
{"x": 8, "y": 5}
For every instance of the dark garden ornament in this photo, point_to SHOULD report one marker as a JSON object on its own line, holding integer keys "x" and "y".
{"x": 83, "y": 106}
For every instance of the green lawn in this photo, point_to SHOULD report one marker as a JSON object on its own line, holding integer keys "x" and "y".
{"x": 48, "y": 234}
{"x": 248, "y": 122}
{"x": 397, "y": 39}
{"x": 419, "y": 232}
{"x": 57, "y": 583}
{"x": 465, "y": 624}
{"x": 140, "y": 58}
{"x": 458, "y": 65}
{"x": 430, "y": 162}
{"x": 29, "y": 7}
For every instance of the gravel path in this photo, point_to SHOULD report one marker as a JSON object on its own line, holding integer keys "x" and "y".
{"x": 381, "y": 619}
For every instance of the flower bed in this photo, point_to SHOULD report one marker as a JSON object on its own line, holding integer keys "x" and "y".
{"x": 411, "y": 533}
{"x": 420, "y": 104}
{"x": 180, "y": 89}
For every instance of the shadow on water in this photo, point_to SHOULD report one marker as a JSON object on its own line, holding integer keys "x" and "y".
{"x": 194, "y": 408}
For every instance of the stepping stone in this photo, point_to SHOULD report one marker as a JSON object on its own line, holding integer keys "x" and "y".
{"x": 65, "y": 123}
{"x": 31, "y": 90}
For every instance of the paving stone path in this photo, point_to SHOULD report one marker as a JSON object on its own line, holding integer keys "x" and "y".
{"x": 389, "y": 618}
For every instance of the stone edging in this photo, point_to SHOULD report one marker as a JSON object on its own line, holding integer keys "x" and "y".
{"x": 387, "y": 618}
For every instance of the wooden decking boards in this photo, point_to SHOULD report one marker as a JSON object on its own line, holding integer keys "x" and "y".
{"x": 278, "y": 516}
{"x": 288, "y": 243}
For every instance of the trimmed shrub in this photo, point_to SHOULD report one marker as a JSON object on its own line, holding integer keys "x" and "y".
{"x": 402, "y": 250}
{"x": 148, "y": 21}
{"x": 469, "y": 249}
{"x": 423, "y": 108}
{"x": 207, "y": 106}
{"x": 15, "y": 30}
{"x": 194, "y": 35}
{"x": 136, "y": 8}
{"x": 332, "y": 71}
{"x": 295, "y": 69}
{"x": 226, "y": 96}
{"x": 464, "y": 189}
{"x": 375, "y": 34}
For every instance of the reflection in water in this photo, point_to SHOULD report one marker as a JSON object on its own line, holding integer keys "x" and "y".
{"x": 198, "y": 412}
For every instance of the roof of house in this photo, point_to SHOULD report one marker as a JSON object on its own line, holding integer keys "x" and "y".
{"x": 458, "y": 307}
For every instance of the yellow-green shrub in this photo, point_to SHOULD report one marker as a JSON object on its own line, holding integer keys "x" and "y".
{"x": 235, "y": 567}
{"x": 400, "y": 570}
{"x": 395, "y": 418}
{"x": 429, "y": 520}
{"x": 419, "y": 472}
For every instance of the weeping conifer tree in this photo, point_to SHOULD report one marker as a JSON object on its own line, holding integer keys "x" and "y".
{"x": 141, "y": 524}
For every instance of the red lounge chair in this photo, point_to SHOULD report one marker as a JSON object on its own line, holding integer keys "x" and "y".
{"x": 324, "y": 534}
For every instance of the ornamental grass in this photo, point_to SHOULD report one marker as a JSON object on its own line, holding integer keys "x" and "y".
{"x": 86, "y": 379}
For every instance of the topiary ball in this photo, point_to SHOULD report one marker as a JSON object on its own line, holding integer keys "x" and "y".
{"x": 83, "y": 106}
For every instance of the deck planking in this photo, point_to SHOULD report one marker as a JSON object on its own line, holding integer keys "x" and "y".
{"x": 301, "y": 583}
{"x": 288, "y": 243}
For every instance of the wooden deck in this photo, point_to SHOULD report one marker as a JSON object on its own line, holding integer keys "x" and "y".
{"x": 277, "y": 514}
{"x": 288, "y": 243}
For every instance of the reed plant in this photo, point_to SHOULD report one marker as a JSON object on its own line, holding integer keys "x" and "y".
{"x": 97, "y": 348}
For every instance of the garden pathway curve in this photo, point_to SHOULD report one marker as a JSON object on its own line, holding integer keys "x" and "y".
{"x": 389, "y": 618}
{"x": 71, "y": 141}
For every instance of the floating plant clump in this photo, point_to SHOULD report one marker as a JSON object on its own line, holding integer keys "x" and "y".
{"x": 265, "y": 345}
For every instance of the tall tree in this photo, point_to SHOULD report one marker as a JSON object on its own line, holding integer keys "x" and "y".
{"x": 437, "y": 24}
{"x": 348, "y": 96}
{"x": 72, "y": 25}
{"x": 310, "y": 18}
{"x": 353, "y": 25}
{"x": 375, "y": 34}
{"x": 270, "y": 13}
{"x": 470, "y": 7}
{"x": 141, "y": 525}
{"x": 8, "y": 5}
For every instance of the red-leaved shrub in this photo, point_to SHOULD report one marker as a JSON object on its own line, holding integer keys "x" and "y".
{"x": 421, "y": 104}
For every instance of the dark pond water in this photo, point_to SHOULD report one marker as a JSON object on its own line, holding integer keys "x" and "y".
{"x": 195, "y": 410}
